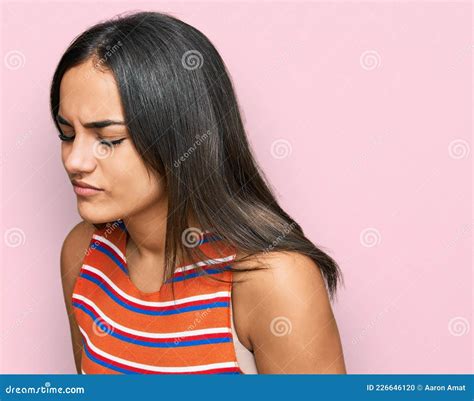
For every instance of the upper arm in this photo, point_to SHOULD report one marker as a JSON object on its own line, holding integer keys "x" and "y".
{"x": 292, "y": 328}
{"x": 73, "y": 250}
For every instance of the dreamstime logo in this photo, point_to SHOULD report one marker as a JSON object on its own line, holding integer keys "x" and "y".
{"x": 369, "y": 60}
{"x": 459, "y": 326}
{"x": 47, "y": 388}
{"x": 101, "y": 328}
{"x": 465, "y": 53}
{"x": 7, "y": 332}
{"x": 363, "y": 156}
{"x": 192, "y": 59}
{"x": 280, "y": 326}
{"x": 14, "y": 60}
{"x": 280, "y": 149}
{"x": 93, "y": 245}
{"x": 459, "y": 149}
{"x": 370, "y": 237}
{"x": 288, "y": 228}
{"x": 199, "y": 140}
{"x": 14, "y": 237}
{"x": 199, "y": 317}
{"x": 461, "y": 233}
{"x": 108, "y": 54}
{"x": 102, "y": 150}
{"x": 370, "y": 325}
{"x": 110, "y": 228}
{"x": 192, "y": 237}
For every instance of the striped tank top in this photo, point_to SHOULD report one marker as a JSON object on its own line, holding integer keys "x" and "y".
{"x": 126, "y": 331}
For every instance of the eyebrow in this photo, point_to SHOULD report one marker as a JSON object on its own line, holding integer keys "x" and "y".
{"x": 93, "y": 124}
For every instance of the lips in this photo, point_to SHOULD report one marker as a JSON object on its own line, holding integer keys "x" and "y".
{"x": 83, "y": 189}
{"x": 84, "y": 185}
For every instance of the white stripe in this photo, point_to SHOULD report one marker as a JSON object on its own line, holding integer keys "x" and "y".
{"x": 110, "y": 244}
{"x": 150, "y": 303}
{"x": 116, "y": 325}
{"x": 82, "y": 371}
{"x": 156, "y": 368}
{"x": 204, "y": 263}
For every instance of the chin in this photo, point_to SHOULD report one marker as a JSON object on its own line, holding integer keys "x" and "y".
{"x": 93, "y": 215}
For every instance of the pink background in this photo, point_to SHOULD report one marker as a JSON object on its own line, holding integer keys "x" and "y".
{"x": 368, "y": 109}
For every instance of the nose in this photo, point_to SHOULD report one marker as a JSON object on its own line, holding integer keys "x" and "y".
{"x": 78, "y": 155}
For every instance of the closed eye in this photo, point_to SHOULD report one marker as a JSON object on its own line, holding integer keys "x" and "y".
{"x": 106, "y": 142}
{"x": 65, "y": 137}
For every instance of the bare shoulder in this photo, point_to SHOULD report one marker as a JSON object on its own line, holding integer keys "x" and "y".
{"x": 279, "y": 266}
{"x": 73, "y": 250}
{"x": 290, "y": 273}
{"x": 285, "y": 315}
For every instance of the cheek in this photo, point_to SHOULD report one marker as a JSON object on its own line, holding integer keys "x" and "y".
{"x": 138, "y": 195}
{"x": 133, "y": 187}
{"x": 148, "y": 189}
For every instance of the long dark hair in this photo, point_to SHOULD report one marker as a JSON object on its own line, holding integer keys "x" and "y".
{"x": 184, "y": 120}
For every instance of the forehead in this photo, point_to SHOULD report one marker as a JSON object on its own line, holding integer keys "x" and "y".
{"x": 87, "y": 92}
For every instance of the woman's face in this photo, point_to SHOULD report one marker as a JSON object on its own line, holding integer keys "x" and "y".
{"x": 88, "y": 96}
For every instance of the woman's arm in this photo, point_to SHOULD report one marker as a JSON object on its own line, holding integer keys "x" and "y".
{"x": 73, "y": 251}
{"x": 289, "y": 320}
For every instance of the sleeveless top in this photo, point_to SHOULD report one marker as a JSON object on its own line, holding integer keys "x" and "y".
{"x": 127, "y": 331}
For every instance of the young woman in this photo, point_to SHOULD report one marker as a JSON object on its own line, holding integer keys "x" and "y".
{"x": 184, "y": 261}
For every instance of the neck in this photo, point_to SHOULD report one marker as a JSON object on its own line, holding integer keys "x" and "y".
{"x": 147, "y": 234}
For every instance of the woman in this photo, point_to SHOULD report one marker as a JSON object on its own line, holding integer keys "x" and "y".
{"x": 184, "y": 261}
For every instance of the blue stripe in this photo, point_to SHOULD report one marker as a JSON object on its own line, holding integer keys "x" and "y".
{"x": 121, "y": 225}
{"x": 170, "y": 344}
{"x": 175, "y": 311}
{"x": 209, "y": 238}
{"x": 112, "y": 256}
